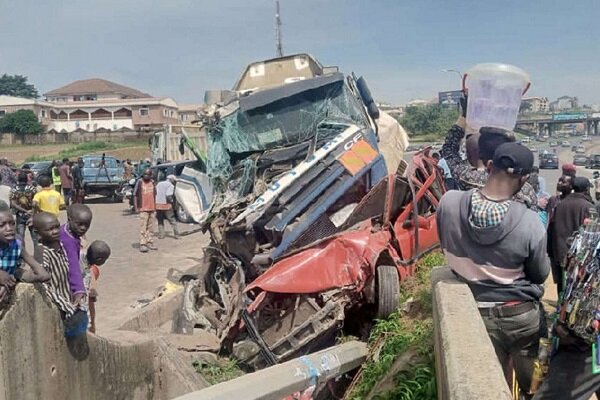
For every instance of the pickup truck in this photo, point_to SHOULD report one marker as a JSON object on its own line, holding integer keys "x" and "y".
{"x": 102, "y": 175}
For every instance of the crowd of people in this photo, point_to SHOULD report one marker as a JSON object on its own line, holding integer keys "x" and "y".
{"x": 60, "y": 256}
{"x": 502, "y": 234}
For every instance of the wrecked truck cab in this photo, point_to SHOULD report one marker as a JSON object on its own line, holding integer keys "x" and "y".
{"x": 287, "y": 164}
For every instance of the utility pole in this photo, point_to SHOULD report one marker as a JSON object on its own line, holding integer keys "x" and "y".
{"x": 278, "y": 44}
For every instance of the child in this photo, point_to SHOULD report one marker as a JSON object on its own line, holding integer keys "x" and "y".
{"x": 79, "y": 220}
{"x": 12, "y": 254}
{"x": 56, "y": 262}
{"x": 96, "y": 256}
{"x": 47, "y": 199}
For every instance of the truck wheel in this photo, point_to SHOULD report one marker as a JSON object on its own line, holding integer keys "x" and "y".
{"x": 388, "y": 290}
{"x": 181, "y": 215}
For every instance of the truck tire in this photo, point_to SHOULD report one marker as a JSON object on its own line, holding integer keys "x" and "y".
{"x": 388, "y": 290}
{"x": 180, "y": 214}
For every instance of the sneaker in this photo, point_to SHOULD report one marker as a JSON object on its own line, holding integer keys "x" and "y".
{"x": 151, "y": 246}
{"x": 143, "y": 248}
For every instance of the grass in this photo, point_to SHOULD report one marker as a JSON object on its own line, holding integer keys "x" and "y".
{"x": 223, "y": 371}
{"x": 83, "y": 148}
{"x": 401, "y": 363}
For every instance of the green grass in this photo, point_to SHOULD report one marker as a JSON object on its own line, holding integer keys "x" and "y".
{"x": 400, "y": 334}
{"x": 223, "y": 371}
{"x": 84, "y": 148}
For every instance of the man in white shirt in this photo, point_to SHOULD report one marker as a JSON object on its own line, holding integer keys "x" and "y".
{"x": 165, "y": 195}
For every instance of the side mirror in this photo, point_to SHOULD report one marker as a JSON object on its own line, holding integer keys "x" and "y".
{"x": 367, "y": 98}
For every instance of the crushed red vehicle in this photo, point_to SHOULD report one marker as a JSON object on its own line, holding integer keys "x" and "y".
{"x": 306, "y": 225}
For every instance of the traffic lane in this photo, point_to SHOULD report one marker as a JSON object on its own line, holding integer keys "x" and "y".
{"x": 130, "y": 277}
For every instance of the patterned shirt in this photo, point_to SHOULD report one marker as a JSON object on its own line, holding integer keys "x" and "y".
{"x": 486, "y": 213}
{"x": 58, "y": 289}
{"x": 469, "y": 177}
{"x": 23, "y": 196}
{"x": 7, "y": 176}
{"x": 10, "y": 257}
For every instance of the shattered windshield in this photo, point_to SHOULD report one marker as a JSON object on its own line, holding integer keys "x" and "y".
{"x": 324, "y": 111}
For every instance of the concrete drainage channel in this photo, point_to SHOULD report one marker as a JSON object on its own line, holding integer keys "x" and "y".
{"x": 37, "y": 362}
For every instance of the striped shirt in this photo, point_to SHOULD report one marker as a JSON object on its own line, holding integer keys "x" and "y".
{"x": 58, "y": 289}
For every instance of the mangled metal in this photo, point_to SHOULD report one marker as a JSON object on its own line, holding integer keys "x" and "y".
{"x": 303, "y": 214}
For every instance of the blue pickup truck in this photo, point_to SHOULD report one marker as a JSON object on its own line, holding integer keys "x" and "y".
{"x": 102, "y": 175}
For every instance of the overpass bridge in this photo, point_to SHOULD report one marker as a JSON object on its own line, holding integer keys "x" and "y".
{"x": 545, "y": 123}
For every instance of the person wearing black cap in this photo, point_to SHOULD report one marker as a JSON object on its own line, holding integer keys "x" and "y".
{"x": 498, "y": 247}
{"x": 568, "y": 217}
{"x": 471, "y": 173}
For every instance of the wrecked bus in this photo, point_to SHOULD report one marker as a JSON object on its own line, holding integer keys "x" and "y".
{"x": 305, "y": 223}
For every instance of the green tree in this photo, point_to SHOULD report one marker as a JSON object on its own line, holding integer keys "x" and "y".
{"x": 428, "y": 119}
{"x": 16, "y": 85}
{"x": 21, "y": 122}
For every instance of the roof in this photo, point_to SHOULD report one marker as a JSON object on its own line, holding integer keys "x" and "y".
{"x": 96, "y": 86}
{"x": 190, "y": 107}
{"x": 15, "y": 101}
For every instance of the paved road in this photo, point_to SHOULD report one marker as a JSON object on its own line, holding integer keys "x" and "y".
{"x": 130, "y": 276}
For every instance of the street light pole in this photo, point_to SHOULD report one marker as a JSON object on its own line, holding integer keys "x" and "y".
{"x": 454, "y": 70}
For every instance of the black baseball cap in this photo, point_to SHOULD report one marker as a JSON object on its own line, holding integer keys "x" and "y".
{"x": 513, "y": 158}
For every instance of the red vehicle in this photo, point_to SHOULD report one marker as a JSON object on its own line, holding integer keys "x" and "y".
{"x": 302, "y": 300}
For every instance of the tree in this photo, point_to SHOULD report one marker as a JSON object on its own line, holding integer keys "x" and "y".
{"x": 21, "y": 122}
{"x": 428, "y": 119}
{"x": 525, "y": 107}
{"x": 16, "y": 85}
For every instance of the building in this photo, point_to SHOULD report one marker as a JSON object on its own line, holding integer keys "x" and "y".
{"x": 97, "y": 105}
{"x": 564, "y": 103}
{"x": 536, "y": 105}
{"x": 189, "y": 113}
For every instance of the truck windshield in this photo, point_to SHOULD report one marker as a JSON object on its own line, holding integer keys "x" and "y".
{"x": 323, "y": 112}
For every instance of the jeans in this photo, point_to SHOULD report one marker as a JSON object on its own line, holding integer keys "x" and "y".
{"x": 517, "y": 337}
{"x": 22, "y": 226}
{"x": 67, "y": 193}
{"x": 570, "y": 376}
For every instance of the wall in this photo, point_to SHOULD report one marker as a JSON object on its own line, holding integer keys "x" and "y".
{"x": 7, "y": 139}
{"x": 36, "y": 362}
{"x": 466, "y": 364}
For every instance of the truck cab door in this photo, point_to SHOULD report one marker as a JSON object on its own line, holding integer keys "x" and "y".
{"x": 194, "y": 193}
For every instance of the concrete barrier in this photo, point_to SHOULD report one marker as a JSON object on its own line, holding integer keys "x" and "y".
{"x": 36, "y": 362}
{"x": 279, "y": 381}
{"x": 156, "y": 314}
{"x": 466, "y": 364}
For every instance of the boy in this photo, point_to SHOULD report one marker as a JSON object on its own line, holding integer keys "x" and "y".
{"x": 95, "y": 257}
{"x": 12, "y": 254}
{"x": 79, "y": 220}
{"x": 144, "y": 202}
{"x": 165, "y": 191}
{"x": 56, "y": 262}
{"x": 21, "y": 201}
{"x": 47, "y": 200}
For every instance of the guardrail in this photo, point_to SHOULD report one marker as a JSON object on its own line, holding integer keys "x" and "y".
{"x": 279, "y": 381}
{"x": 466, "y": 363}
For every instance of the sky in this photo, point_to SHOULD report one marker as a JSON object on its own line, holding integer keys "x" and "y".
{"x": 180, "y": 48}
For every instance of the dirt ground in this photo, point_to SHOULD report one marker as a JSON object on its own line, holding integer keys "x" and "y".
{"x": 130, "y": 276}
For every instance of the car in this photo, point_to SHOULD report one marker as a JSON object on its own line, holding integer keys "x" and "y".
{"x": 553, "y": 144}
{"x": 580, "y": 149}
{"x": 565, "y": 143}
{"x": 580, "y": 159}
{"x": 548, "y": 161}
{"x": 526, "y": 139}
{"x": 574, "y": 148}
{"x": 586, "y": 139}
{"x": 102, "y": 175}
{"x": 593, "y": 161}
{"x": 38, "y": 168}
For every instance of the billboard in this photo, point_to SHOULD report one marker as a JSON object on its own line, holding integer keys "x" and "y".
{"x": 568, "y": 116}
{"x": 451, "y": 98}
